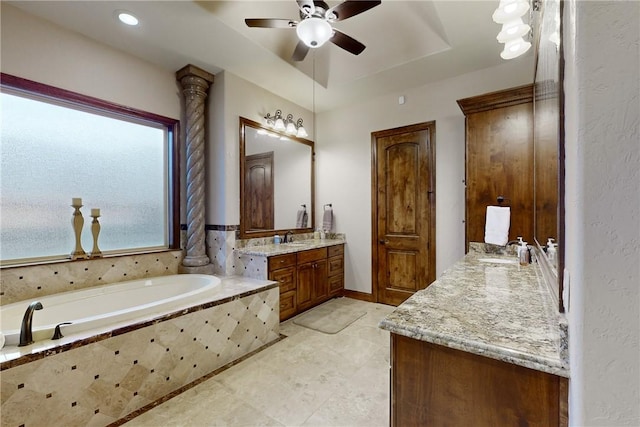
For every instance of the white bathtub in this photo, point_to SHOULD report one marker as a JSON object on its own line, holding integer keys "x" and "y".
{"x": 102, "y": 308}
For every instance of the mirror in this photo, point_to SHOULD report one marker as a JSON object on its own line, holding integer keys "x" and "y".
{"x": 276, "y": 182}
{"x": 548, "y": 142}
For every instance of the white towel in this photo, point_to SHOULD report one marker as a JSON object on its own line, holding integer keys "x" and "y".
{"x": 327, "y": 219}
{"x": 496, "y": 229}
{"x": 301, "y": 218}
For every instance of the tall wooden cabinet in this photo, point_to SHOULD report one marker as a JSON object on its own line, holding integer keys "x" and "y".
{"x": 499, "y": 159}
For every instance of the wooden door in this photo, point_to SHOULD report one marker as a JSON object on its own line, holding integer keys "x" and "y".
{"x": 259, "y": 191}
{"x": 404, "y": 211}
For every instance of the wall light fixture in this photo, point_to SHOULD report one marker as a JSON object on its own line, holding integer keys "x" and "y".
{"x": 277, "y": 122}
{"x": 509, "y": 13}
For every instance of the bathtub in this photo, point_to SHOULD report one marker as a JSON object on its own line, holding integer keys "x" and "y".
{"x": 102, "y": 308}
{"x": 132, "y": 353}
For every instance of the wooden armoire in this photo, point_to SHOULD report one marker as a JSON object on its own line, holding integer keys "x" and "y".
{"x": 499, "y": 160}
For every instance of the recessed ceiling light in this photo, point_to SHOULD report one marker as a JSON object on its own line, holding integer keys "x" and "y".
{"x": 127, "y": 18}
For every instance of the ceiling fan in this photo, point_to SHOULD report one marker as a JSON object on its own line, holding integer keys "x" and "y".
{"x": 314, "y": 28}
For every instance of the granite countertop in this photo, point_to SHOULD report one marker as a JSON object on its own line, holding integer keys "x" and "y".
{"x": 288, "y": 248}
{"x": 501, "y": 311}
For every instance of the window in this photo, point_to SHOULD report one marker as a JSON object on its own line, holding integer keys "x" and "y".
{"x": 56, "y": 145}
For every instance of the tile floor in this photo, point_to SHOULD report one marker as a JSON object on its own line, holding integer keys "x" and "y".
{"x": 307, "y": 379}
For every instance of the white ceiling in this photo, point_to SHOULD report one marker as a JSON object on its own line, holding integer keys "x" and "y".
{"x": 408, "y": 43}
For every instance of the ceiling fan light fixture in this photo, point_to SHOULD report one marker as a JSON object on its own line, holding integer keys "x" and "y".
{"x": 314, "y": 32}
{"x": 508, "y": 10}
{"x": 513, "y": 30}
{"x": 515, "y": 48}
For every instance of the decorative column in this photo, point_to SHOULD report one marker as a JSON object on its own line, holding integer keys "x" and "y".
{"x": 195, "y": 83}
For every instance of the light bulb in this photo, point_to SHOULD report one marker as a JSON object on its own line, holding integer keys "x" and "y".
{"x": 508, "y": 10}
{"x": 314, "y": 32}
{"x": 515, "y": 48}
{"x": 513, "y": 30}
{"x": 127, "y": 18}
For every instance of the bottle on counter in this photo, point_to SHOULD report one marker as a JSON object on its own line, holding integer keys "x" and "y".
{"x": 551, "y": 250}
{"x": 523, "y": 254}
{"x": 276, "y": 239}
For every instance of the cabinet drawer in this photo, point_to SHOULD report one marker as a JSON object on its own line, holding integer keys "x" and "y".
{"x": 336, "y": 265}
{"x": 335, "y": 250}
{"x": 312, "y": 255}
{"x": 287, "y": 304}
{"x": 286, "y": 277}
{"x": 336, "y": 284}
{"x": 281, "y": 261}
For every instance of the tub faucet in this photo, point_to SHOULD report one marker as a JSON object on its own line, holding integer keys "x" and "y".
{"x": 26, "y": 336}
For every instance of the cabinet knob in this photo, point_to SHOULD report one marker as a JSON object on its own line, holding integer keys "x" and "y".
{"x": 383, "y": 241}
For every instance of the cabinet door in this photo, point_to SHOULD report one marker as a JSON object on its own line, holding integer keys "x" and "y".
{"x": 305, "y": 285}
{"x": 320, "y": 281}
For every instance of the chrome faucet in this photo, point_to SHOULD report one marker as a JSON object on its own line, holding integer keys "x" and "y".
{"x": 26, "y": 336}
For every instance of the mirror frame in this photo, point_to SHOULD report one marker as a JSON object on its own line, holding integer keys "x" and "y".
{"x": 554, "y": 274}
{"x": 248, "y": 234}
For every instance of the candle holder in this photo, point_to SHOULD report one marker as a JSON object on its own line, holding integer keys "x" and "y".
{"x": 95, "y": 230}
{"x": 77, "y": 222}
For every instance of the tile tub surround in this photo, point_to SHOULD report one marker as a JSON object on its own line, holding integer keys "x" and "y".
{"x": 103, "y": 381}
{"x": 27, "y": 282}
{"x": 251, "y": 261}
{"x": 501, "y": 311}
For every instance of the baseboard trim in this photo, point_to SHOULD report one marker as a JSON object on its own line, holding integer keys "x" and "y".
{"x": 362, "y": 296}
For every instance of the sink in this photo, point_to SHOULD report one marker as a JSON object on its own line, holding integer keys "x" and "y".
{"x": 294, "y": 244}
{"x": 498, "y": 260}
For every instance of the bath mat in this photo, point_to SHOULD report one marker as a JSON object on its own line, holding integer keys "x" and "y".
{"x": 329, "y": 318}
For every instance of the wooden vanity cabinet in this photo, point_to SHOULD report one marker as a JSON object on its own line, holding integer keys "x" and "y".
{"x": 433, "y": 385}
{"x": 282, "y": 269}
{"x": 336, "y": 269}
{"x": 313, "y": 284}
{"x": 307, "y": 278}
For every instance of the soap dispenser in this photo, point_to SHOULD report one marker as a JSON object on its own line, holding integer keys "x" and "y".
{"x": 523, "y": 254}
{"x": 519, "y": 247}
{"x": 551, "y": 250}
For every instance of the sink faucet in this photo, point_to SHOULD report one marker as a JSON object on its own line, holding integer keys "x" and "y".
{"x": 26, "y": 336}
{"x": 288, "y": 237}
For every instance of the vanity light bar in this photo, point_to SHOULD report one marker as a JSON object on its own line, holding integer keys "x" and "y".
{"x": 277, "y": 122}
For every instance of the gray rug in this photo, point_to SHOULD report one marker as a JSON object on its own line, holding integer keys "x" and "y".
{"x": 330, "y": 317}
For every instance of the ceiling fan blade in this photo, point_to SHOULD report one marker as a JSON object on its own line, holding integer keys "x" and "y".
{"x": 306, "y": 6}
{"x": 346, "y": 42}
{"x": 270, "y": 23}
{"x": 349, "y": 8}
{"x": 300, "y": 52}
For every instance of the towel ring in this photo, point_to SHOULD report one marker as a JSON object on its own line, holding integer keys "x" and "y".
{"x": 325, "y": 206}
{"x": 501, "y": 200}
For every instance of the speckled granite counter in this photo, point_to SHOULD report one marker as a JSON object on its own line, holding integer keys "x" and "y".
{"x": 501, "y": 311}
{"x": 288, "y": 248}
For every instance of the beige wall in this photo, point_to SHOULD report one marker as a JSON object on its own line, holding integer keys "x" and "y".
{"x": 603, "y": 210}
{"x": 232, "y": 97}
{"x": 343, "y": 160}
{"x": 38, "y": 50}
